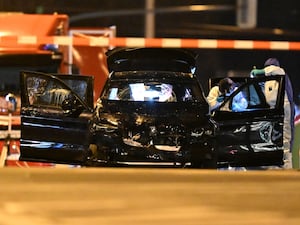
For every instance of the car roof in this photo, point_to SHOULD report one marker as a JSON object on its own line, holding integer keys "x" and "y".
{"x": 154, "y": 59}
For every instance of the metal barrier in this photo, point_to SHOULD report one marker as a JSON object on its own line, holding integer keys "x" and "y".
{"x": 91, "y": 41}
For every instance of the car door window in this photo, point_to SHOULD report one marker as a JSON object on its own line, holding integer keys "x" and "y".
{"x": 257, "y": 95}
{"x": 42, "y": 91}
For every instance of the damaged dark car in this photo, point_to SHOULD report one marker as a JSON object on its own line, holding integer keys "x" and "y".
{"x": 152, "y": 111}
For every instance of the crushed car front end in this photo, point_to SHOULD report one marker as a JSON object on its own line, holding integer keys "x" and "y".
{"x": 138, "y": 122}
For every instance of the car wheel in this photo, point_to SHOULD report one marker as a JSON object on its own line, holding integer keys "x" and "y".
{"x": 203, "y": 159}
{"x": 204, "y": 164}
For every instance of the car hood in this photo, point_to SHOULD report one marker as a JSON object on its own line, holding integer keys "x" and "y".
{"x": 154, "y": 59}
{"x": 189, "y": 115}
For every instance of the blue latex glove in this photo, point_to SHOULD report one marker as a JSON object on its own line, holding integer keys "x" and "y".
{"x": 220, "y": 99}
{"x": 257, "y": 72}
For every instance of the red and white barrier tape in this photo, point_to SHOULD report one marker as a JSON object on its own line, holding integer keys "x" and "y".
{"x": 13, "y": 41}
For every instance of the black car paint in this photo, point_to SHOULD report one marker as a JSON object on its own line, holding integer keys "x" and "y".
{"x": 50, "y": 133}
{"x": 253, "y": 137}
{"x": 147, "y": 125}
{"x": 128, "y": 131}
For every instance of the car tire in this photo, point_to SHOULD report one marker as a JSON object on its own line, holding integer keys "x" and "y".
{"x": 203, "y": 159}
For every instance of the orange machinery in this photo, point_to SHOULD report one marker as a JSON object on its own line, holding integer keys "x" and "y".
{"x": 91, "y": 60}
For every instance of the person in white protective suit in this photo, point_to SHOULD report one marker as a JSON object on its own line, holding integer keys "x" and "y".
{"x": 272, "y": 67}
{"x": 218, "y": 93}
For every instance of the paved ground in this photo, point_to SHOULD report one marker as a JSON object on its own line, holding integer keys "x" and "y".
{"x": 123, "y": 196}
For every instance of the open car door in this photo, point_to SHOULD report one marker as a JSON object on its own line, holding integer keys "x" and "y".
{"x": 55, "y": 117}
{"x": 249, "y": 124}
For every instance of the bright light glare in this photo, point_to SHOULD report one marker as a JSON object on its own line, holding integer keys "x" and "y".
{"x": 4, "y": 33}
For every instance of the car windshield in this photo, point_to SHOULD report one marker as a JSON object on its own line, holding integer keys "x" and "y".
{"x": 153, "y": 91}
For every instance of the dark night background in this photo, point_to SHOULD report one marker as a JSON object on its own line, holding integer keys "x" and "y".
{"x": 271, "y": 16}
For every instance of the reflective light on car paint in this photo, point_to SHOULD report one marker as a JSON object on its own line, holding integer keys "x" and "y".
{"x": 152, "y": 163}
{"x": 113, "y": 121}
{"x": 105, "y": 128}
{"x": 197, "y": 133}
{"x": 241, "y": 129}
{"x": 208, "y": 132}
{"x": 131, "y": 142}
{"x": 40, "y": 125}
{"x": 43, "y": 144}
{"x": 260, "y": 147}
{"x": 168, "y": 148}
